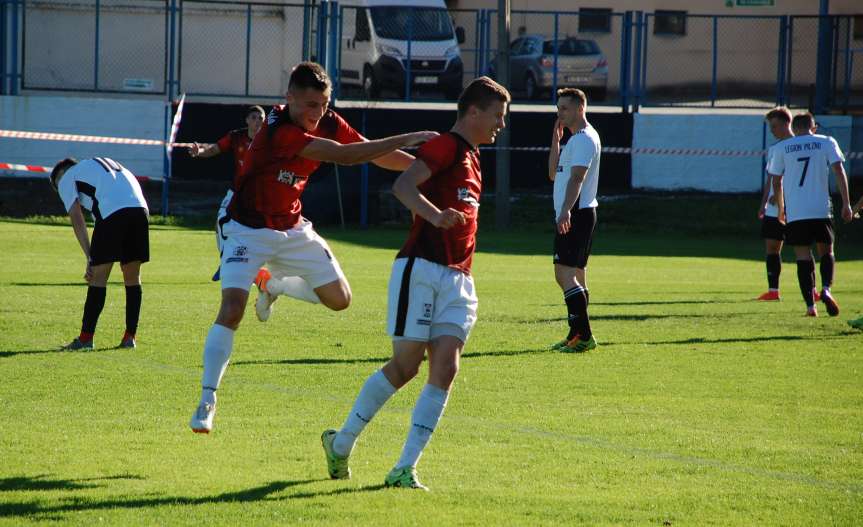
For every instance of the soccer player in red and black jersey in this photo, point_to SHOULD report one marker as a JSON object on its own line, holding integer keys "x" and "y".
{"x": 237, "y": 142}
{"x": 266, "y": 224}
{"x": 432, "y": 303}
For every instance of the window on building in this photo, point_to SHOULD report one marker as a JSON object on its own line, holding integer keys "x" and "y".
{"x": 858, "y": 27}
{"x": 669, "y": 23}
{"x": 595, "y": 20}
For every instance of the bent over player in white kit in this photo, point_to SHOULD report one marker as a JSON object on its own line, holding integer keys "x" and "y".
{"x": 266, "y": 225}
{"x": 800, "y": 183}
{"x": 432, "y": 303}
{"x": 121, "y": 233}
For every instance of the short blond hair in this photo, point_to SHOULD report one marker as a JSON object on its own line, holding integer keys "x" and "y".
{"x": 780, "y": 113}
{"x": 573, "y": 93}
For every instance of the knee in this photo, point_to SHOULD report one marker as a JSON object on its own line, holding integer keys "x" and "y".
{"x": 402, "y": 372}
{"x": 446, "y": 373}
{"x": 231, "y": 313}
{"x": 339, "y": 302}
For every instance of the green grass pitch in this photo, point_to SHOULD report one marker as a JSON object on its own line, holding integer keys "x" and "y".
{"x": 700, "y": 407}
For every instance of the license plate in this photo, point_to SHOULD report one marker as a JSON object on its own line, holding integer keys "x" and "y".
{"x": 577, "y": 79}
{"x": 425, "y": 80}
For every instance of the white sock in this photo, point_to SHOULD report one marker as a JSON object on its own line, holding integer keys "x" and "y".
{"x": 427, "y": 413}
{"x": 294, "y": 287}
{"x": 217, "y": 352}
{"x": 374, "y": 394}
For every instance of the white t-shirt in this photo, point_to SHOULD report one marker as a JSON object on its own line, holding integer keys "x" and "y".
{"x": 102, "y": 186}
{"x": 583, "y": 149}
{"x": 771, "y": 209}
{"x": 804, "y": 164}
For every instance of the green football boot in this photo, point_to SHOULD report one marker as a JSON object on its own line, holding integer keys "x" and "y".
{"x": 577, "y": 345}
{"x": 857, "y": 323}
{"x": 337, "y": 466}
{"x": 558, "y": 345}
{"x": 405, "y": 477}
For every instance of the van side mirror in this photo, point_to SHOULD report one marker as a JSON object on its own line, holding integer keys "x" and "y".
{"x": 459, "y": 35}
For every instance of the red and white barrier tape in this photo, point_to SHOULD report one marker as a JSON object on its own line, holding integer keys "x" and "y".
{"x": 709, "y": 152}
{"x": 47, "y": 170}
{"x": 50, "y": 136}
{"x": 175, "y": 125}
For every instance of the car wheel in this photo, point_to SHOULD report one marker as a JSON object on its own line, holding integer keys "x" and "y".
{"x": 370, "y": 85}
{"x": 530, "y": 89}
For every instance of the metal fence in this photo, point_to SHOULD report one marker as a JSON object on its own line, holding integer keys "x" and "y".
{"x": 238, "y": 49}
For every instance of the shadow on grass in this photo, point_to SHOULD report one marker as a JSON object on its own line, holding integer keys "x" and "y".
{"x": 4, "y": 354}
{"x": 701, "y": 340}
{"x": 77, "y": 504}
{"x": 41, "y": 482}
{"x": 382, "y": 360}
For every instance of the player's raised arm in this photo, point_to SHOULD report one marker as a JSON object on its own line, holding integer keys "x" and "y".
{"x": 397, "y": 161}
{"x": 406, "y": 189}
{"x": 554, "y": 150}
{"x": 321, "y": 149}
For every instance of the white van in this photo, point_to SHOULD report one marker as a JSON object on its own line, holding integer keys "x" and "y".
{"x": 378, "y": 36}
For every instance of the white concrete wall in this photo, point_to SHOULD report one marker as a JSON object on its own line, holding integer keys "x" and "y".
{"x": 139, "y": 119}
{"x": 709, "y": 173}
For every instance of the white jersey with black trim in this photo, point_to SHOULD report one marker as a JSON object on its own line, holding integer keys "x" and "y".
{"x": 583, "y": 149}
{"x": 102, "y": 186}
{"x": 804, "y": 164}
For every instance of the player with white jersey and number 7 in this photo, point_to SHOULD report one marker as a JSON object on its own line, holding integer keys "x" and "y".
{"x": 801, "y": 184}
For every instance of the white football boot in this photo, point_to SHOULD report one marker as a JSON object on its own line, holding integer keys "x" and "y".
{"x": 202, "y": 420}
{"x": 264, "y": 303}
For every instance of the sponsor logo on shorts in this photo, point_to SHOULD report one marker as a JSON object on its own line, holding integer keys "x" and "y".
{"x": 421, "y": 322}
{"x": 427, "y": 311}
{"x": 239, "y": 255}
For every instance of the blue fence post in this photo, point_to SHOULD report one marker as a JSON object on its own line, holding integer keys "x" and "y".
{"x": 408, "y": 61}
{"x": 556, "y": 53}
{"x": 483, "y": 66}
{"x": 715, "y": 58}
{"x": 636, "y": 72}
{"x": 848, "y": 53}
{"x": 334, "y": 36}
{"x": 825, "y": 54}
{"x": 96, "y": 51}
{"x": 14, "y": 74}
{"x": 789, "y": 48}
{"x": 172, "y": 35}
{"x": 2, "y": 47}
{"x": 625, "y": 50}
{"x": 306, "y": 29}
{"x": 338, "y": 50}
{"x": 780, "y": 61}
{"x": 320, "y": 55}
{"x": 364, "y": 184}
{"x": 248, "y": 43}
{"x": 167, "y": 163}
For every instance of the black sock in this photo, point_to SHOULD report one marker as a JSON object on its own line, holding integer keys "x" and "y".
{"x": 828, "y": 261}
{"x": 576, "y": 306}
{"x": 774, "y": 267}
{"x": 805, "y": 269}
{"x": 133, "y": 308}
{"x": 92, "y": 308}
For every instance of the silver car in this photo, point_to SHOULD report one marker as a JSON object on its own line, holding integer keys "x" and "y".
{"x": 580, "y": 64}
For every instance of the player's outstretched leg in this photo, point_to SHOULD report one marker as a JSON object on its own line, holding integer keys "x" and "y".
{"x": 426, "y": 414}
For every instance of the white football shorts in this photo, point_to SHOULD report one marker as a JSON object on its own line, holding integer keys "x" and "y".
{"x": 221, "y": 219}
{"x": 427, "y": 300}
{"x": 294, "y": 252}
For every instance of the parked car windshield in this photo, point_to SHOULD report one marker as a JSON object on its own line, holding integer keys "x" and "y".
{"x": 421, "y": 23}
{"x": 571, "y": 46}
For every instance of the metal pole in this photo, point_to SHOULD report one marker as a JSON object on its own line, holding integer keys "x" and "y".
{"x": 625, "y": 49}
{"x": 2, "y": 47}
{"x": 636, "y": 71}
{"x": 339, "y": 195}
{"x": 715, "y": 58}
{"x": 167, "y": 165}
{"x": 96, "y": 51}
{"x": 556, "y": 53}
{"x": 822, "y": 72}
{"x": 306, "y": 29}
{"x": 408, "y": 62}
{"x": 364, "y": 185}
{"x": 248, "y": 43}
{"x": 171, "y": 51}
{"x": 502, "y": 164}
{"x": 780, "y": 61}
{"x": 14, "y": 75}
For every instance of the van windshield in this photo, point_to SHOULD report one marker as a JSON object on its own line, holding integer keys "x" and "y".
{"x": 421, "y": 23}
